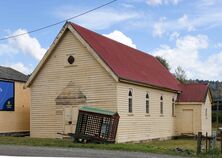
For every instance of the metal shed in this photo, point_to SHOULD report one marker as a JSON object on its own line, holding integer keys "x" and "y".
{"x": 96, "y": 125}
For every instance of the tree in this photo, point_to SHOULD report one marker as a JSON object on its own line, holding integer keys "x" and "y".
{"x": 180, "y": 74}
{"x": 163, "y": 62}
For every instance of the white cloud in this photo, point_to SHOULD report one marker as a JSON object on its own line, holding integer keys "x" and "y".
{"x": 163, "y": 25}
{"x": 195, "y": 20}
{"x": 159, "y": 27}
{"x": 120, "y": 37}
{"x": 21, "y": 67}
{"x": 23, "y": 44}
{"x": 187, "y": 54}
{"x": 174, "y": 36}
{"x": 99, "y": 19}
{"x": 161, "y": 2}
{"x": 218, "y": 45}
{"x": 185, "y": 23}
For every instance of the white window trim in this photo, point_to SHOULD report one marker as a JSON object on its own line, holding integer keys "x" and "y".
{"x": 147, "y": 99}
{"x": 173, "y": 106}
{"x": 130, "y": 97}
{"x": 161, "y": 101}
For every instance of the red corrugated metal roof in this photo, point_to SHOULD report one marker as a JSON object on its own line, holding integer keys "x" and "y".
{"x": 193, "y": 92}
{"x": 128, "y": 63}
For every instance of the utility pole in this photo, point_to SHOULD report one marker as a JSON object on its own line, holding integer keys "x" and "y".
{"x": 217, "y": 102}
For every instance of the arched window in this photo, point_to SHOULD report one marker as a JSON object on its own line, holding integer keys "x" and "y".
{"x": 173, "y": 107}
{"x": 147, "y": 103}
{"x": 130, "y": 103}
{"x": 161, "y": 105}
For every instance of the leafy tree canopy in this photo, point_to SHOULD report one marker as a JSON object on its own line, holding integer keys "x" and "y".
{"x": 180, "y": 74}
{"x": 163, "y": 62}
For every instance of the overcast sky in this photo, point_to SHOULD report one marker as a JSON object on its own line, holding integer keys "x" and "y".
{"x": 185, "y": 32}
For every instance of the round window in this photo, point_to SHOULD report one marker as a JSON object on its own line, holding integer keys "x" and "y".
{"x": 71, "y": 59}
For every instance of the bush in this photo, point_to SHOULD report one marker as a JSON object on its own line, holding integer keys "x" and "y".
{"x": 214, "y": 117}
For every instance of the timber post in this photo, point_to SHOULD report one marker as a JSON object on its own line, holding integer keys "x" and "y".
{"x": 199, "y": 137}
{"x": 206, "y": 141}
{"x": 221, "y": 140}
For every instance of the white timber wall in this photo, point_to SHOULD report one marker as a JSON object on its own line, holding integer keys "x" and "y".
{"x": 206, "y": 116}
{"x": 196, "y": 122}
{"x": 138, "y": 125}
{"x": 91, "y": 78}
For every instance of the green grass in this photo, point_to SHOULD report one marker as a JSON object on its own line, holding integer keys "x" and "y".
{"x": 163, "y": 147}
{"x": 166, "y": 147}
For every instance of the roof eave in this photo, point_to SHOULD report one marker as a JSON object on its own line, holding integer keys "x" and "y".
{"x": 6, "y": 79}
{"x": 189, "y": 102}
{"x": 148, "y": 85}
{"x": 93, "y": 53}
{"x": 46, "y": 56}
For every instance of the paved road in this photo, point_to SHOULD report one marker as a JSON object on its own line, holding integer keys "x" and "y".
{"x": 11, "y": 150}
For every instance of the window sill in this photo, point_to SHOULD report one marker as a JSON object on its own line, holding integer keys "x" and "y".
{"x": 130, "y": 114}
{"x": 147, "y": 115}
{"x": 161, "y": 115}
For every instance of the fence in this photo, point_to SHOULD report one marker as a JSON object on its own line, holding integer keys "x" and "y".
{"x": 206, "y": 143}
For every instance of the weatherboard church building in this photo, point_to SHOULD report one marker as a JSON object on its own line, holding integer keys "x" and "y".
{"x": 88, "y": 69}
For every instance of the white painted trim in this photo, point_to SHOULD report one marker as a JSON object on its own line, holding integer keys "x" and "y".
{"x": 53, "y": 45}
{"x": 46, "y": 56}
{"x": 189, "y": 103}
{"x": 93, "y": 53}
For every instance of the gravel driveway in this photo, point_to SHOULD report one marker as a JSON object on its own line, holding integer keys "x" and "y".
{"x": 12, "y": 150}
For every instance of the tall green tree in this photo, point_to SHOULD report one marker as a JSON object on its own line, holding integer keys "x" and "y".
{"x": 163, "y": 62}
{"x": 180, "y": 74}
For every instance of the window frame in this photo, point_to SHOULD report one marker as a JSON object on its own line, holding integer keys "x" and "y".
{"x": 206, "y": 113}
{"x": 147, "y": 106}
{"x": 161, "y": 105}
{"x": 130, "y": 101}
{"x": 173, "y": 107}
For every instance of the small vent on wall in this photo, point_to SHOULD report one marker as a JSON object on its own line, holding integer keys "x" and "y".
{"x": 71, "y": 59}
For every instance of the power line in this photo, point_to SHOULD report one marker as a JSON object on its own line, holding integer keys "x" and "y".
{"x": 51, "y": 25}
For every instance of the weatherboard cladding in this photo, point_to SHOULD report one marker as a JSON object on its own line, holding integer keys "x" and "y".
{"x": 7, "y": 73}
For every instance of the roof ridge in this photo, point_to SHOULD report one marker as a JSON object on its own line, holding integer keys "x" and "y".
{"x": 138, "y": 50}
{"x": 195, "y": 84}
{"x": 4, "y": 66}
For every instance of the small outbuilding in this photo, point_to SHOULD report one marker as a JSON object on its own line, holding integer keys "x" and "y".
{"x": 14, "y": 103}
{"x": 194, "y": 109}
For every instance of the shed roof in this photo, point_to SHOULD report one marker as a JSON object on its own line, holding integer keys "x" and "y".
{"x": 96, "y": 110}
{"x": 194, "y": 92}
{"x": 128, "y": 63}
{"x": 8, "y": 73}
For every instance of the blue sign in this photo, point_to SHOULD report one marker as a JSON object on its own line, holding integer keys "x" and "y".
{"x": 7, "y": 96}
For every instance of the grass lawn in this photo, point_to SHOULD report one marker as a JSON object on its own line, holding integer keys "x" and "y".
{"x": 165, "y": 147}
